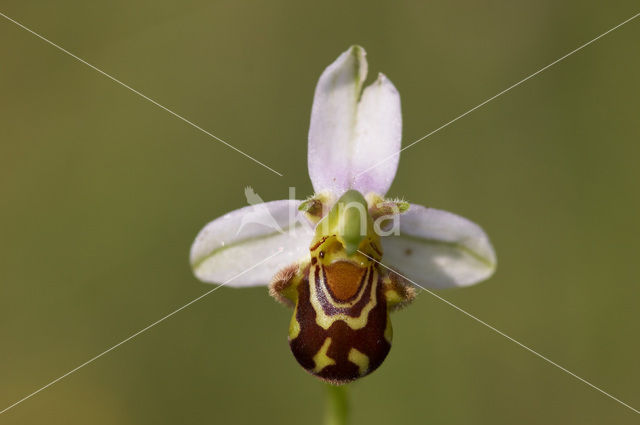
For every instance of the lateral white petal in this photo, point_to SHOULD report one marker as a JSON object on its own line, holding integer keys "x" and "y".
{"x": 352, "y": 130}
{"x": 438, "y": 249}
{"x": 237, "y": 241}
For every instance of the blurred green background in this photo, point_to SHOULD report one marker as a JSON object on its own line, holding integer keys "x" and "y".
{"x": 102, "y": 193}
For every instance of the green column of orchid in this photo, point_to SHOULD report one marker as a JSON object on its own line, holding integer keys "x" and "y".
{"x": 350, "y": 221}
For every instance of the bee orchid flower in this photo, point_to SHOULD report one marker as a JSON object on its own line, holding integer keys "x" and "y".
{"x": 335, "y": 243}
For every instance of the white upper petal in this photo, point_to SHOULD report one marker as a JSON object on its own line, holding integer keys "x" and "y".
{"x": 352, "y": 131}
{"x": 237, "y": 241}
{"x": 438, "y": 249}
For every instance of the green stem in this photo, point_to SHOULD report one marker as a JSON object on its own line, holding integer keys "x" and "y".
{"x": 337, "y": 412}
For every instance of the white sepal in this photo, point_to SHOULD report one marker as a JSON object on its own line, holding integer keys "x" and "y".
{"x": 353, "y": 130}
{"x": 237, "y": 241}
{"x": 437, "y": 249}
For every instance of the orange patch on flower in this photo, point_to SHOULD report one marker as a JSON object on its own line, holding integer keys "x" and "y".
{"x": 343, "y": 279}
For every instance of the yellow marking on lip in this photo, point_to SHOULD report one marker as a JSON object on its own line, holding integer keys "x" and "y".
{"x": 294, "y": 325}
{"x": 359, "y": 359}
{"x": 393, "y": 297}
{"x": 388, "y": 330}
{"x": 321, "y": 359}
{"x": 325, "y": 321}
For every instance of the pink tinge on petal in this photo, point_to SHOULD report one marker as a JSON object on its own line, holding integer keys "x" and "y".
{"x": 355, "y": 135}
